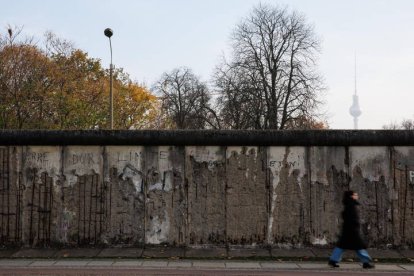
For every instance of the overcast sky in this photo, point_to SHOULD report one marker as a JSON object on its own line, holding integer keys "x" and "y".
{"x": 153, "y": 36}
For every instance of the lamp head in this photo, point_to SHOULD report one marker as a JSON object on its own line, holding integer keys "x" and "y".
{"x": 108, "y": 32}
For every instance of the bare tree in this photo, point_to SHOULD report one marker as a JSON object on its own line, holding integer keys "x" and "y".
{"x": 407, "y": 124}
{"x": 185, "y": 100}
{"x": 271, "y": 78}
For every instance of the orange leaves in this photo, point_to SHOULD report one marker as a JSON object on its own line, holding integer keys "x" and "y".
{"x": 61, "y": 87}
{"x": 134, "y": 106}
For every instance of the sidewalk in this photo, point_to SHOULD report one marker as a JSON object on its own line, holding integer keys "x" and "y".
{"x": 200, "y": 258}
{"x": 192, "y": 264}
{"x": 217, "y": 253}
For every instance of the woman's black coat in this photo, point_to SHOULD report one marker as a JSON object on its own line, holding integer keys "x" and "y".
{"x": 350, "y": 237}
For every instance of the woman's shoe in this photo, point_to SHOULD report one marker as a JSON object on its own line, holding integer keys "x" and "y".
{"x": 333, "y": 263}
{"x": 368, "y": 265}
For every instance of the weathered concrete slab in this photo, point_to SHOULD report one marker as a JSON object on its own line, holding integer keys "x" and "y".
{"x": 39, "y": 169}
{"x": 326, "y": 180}
{"x": 121, "y": 253}
{"x": 11, "y": 194}
{"x": 286, "y": 219}
{"x": 163, "y": 252}
{"x": 215, "y": 252}
{"x": 403, "y": 195}
{"x": 206, "y": 178}
{"x": 85, "y": 206}
{"x": 35, "y": 253}
{"x": 247, "y": 195}
{"x": 268, "y": 194}
{"x": 248, "y": 252}
{"x": 124, "y": 169}
{"x": 164, "y": 169}
{"x": 78, "y": 253}
{"x": 371, "y": 177}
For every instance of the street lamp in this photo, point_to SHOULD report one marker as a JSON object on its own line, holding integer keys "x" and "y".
{"x": 108, "y": 32}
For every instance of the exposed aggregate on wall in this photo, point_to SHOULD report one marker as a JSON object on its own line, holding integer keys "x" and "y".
{"x": 202, "y": 195}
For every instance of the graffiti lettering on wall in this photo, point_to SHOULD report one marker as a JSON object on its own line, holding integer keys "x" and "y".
{"x": 279, "y": 164}
{"x": 131, "y": 156}
{"x": 83, "y": 158}
{"x": 165, "y": 194}
{"x": 37, "y": 159}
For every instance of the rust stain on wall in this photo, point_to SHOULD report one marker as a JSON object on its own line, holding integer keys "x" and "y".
{"x": 206, "y": 181}
{"x": 196, "y": 195}
{"x": 166, "y": 204}
{"x": 370, "y": 175}
{"x": 403, "y": 200}
{"x": 288, "y": 217}
{"x": 247, "y": 196}
{"x": 38, "y": 206}
{"x": 326, "y": 180}
{"x": 11, "y": 193}
{"x": 126, "y": 209}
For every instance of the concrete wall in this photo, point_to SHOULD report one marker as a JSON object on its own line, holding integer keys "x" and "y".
{"x": 189, "y": 195}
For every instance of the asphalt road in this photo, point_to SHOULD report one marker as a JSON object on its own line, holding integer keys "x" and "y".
{"x": 185, "y": 272}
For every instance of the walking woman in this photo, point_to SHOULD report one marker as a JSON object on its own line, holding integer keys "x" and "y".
{"x": 350, "y": 237}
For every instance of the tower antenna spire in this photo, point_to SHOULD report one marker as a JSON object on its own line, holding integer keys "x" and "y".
{"x": 355, "y": 71}
{"x": 355, "y": 110}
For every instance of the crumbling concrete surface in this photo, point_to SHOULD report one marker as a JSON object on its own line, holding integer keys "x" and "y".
{"x": 206, "y": 189}
{"x": 247, "y": 196}
{"x": 199, "y": 195}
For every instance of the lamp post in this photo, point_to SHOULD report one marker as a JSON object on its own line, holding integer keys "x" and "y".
{"x": 108, "y": 32}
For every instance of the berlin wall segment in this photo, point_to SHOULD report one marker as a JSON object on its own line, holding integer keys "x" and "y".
{"x": 186, "y": 195}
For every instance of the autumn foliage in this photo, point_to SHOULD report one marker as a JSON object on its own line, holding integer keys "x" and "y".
{"x": 269, "y": 82}
{"x": 60, "y": 87}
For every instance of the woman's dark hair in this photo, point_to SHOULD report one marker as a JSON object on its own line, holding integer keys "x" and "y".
{"x": 347, "y": 197}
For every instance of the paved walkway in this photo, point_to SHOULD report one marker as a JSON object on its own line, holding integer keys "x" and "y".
{"x": 192, "y": 264}
{"x": 399, "y": 256}
{"x": 226, "y": 259}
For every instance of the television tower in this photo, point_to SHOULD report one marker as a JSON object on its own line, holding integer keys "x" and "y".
{"x": 354, "y": 110}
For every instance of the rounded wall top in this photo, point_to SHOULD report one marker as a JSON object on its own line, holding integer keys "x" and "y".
{"x": 210, "y": 137}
